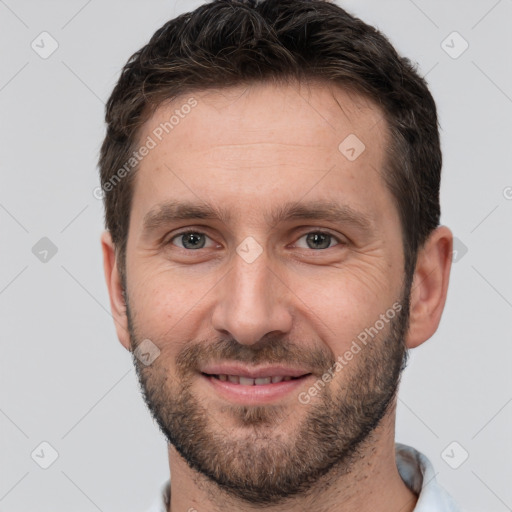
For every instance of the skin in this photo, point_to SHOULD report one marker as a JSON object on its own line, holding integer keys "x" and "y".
{"x": 250, "y": 149}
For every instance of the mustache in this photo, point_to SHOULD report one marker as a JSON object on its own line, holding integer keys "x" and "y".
{"x": 273, "y": 350}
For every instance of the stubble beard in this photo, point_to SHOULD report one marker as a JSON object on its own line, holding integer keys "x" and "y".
{"x": 261, "y": 457}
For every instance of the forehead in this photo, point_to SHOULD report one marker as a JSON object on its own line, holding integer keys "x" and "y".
{"x": 292, "y": 113}
{"x": 265, "y": 143}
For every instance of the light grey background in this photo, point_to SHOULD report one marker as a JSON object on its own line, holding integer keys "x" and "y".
{"x": 64, "y": 377}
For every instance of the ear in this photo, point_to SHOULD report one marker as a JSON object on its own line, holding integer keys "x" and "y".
{"x": 115, "y": 289}
{"x": 430, "y": 286}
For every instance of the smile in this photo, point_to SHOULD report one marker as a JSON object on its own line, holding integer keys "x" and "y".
{"x": 245, "y": 385}
{"x": 248, "y": 381}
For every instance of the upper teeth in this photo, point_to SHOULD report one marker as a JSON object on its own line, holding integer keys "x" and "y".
{"x": 246, "y": 381}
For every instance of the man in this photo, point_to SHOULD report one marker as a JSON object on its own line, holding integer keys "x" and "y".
{"x": 271, "y": 174}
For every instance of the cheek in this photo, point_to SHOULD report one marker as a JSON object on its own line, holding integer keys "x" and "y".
{"x": 341, "y": 303}
{"x": 167, "y": 304}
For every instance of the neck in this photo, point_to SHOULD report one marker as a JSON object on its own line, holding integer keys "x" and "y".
{"x": 372, "y": 483}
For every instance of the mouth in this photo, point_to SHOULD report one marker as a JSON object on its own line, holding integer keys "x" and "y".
{"x": 248, "y": 381}
{"x": 254, "y": 386}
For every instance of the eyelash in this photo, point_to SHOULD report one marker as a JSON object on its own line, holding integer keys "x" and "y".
{"x": 316, "y": 231}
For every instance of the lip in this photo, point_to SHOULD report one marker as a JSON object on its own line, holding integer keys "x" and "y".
{"x": 257, "y": 394}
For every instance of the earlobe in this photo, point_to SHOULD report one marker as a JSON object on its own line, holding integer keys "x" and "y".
{"x": 430, "y": 286}
{"x": 115, "y": 289}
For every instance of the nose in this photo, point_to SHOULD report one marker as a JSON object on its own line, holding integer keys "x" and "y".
{"x": 252, "y": 302}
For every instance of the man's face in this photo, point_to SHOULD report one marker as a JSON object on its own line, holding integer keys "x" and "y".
{"x": 250, "y": 311}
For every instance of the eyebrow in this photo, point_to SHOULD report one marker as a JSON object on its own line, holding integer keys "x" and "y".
{"x": 172, "y": 211}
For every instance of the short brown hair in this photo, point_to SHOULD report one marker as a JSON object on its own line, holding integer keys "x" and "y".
{"x": 234, "y": 42}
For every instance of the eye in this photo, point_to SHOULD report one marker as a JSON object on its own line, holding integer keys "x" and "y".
{"x": 318, "y": 240}
{"x": 191, "y": 240}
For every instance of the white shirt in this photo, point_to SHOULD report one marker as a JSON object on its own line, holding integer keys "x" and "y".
{"x": 414, "y": 468}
